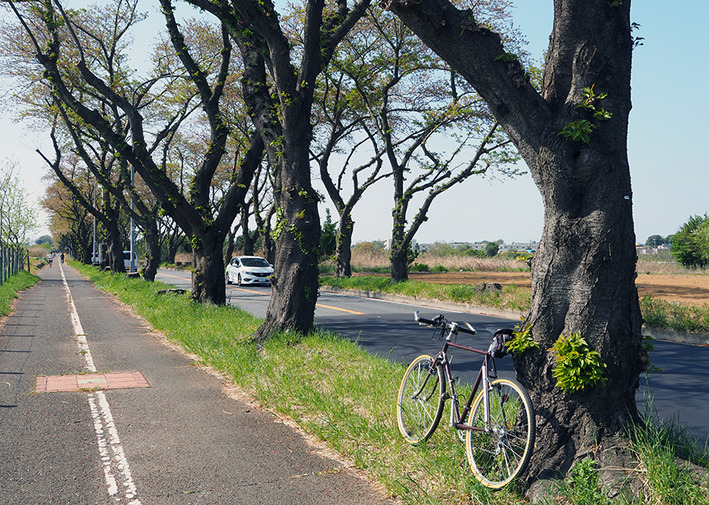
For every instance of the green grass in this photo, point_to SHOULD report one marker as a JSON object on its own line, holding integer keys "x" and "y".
{"x": 675, "y": 316}
{"x": 337, "y": 392}
{"x": 510, "y": 298}
{"x": 9, "y": 289}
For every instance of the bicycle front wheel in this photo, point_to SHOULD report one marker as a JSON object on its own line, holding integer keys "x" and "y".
{"x": 501, "y": 452}
{"x": 421, "y": 399}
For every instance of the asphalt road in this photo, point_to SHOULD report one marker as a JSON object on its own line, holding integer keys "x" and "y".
{"x": 679, "y": 390}
{"x": 182, "y": 440}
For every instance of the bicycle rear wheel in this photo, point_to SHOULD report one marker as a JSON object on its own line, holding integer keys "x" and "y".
{"x": 498, "y": 455}
{"x": 421, "y": 399}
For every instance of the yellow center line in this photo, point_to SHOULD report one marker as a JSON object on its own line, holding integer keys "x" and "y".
{"x": 340, "y": 309}
{"x": 175, "y": 276}
{"x": 250, "y": 291}
{"x": 317, "y": 304}
{"x": 268, "y": 294}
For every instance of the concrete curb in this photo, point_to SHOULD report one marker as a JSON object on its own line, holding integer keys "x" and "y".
{"x": 683, "y": 337}
{"x": 665, "y": 334}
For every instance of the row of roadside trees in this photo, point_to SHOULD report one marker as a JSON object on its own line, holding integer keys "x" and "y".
{"x": 18, "y": 217}
{"x": 203, "y": 140}
{"x": 252, "y": 88}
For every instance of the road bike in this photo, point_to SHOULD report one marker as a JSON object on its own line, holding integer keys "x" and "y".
{"x": 497, "y": 424}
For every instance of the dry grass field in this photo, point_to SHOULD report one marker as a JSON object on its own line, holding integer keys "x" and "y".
{"x": 664, "y": 280}
{"x": 692, "y": 289}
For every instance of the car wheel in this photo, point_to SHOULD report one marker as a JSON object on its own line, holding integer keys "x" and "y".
{"x": 238, "y": 279}
{"x": 227, "y": 279}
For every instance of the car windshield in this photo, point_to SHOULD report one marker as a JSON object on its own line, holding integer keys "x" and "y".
{"x": 254, "y": 262}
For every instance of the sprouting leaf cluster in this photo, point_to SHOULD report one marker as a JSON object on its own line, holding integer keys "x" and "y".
{"x": 521, "y": 339}
{"x": 577, "y": 366}
{"x": 590, "y": 101}
{"x": 580, "y": 131}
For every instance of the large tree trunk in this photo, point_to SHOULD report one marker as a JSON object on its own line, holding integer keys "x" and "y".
{"x": 246, "y": 234}
{"x": 115, "y": 256}
{"x": 583, "y": 281}
{"x": 295, "y": 281}
{"x": 115, "y": 238}
{"x": 208, "y": 284}
{"x": 583, "y": 273}
{"x": 397, "y": 248}
{"x": 343, "y": 246}
{"x": 399, "y": 264}
{"x": 152, "y": 249}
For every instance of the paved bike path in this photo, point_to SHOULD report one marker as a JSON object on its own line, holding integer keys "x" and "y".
{"x": 180, "y": 441}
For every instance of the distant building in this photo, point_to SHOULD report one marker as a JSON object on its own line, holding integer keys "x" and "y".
{"x": 387, "y": 244}
{"x": 528, "y": 247}
{"x": 643, "y": 249}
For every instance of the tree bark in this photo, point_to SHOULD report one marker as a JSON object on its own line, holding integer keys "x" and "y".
{"x": 583, "y": 273}
{"x": 399, "y": 265}
{"x": 397, "y": 247}
{"x": 295, "y": 281}
{"x": 208, "y": 283}
{"x": 115, "y": 237}
{"x": 246, "y": 234}
{"x": 152, "y": 249}
{"x": 343, "y": 246}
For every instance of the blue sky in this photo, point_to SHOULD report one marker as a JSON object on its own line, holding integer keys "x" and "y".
{"x": 670, "y": 173}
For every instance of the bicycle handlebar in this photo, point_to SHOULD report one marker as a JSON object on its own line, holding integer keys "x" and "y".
{"x": 441, "y": 321}
{"x": 431, "y": 322}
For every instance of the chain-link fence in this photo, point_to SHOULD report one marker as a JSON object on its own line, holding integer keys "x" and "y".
{"x": 11, "y": 261}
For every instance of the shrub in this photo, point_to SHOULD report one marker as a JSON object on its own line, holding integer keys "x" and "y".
{"x": 690, "y": 245}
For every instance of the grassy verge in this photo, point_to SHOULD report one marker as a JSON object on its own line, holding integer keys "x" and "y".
{"x": 510, "y": 297}
{"x": 8, "y": 291}
{"x": 675, "y": 316}
{"x": 328, "y": 385}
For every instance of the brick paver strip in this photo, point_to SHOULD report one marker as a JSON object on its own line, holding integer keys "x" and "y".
{"x": 90, "y": 382}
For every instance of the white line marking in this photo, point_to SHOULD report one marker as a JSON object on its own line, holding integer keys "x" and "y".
{"x": 113, "y": 458}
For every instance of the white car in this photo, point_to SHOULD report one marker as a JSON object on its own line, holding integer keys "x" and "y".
{"x": 248, "y": 270}
{"x": 126, "y": 260}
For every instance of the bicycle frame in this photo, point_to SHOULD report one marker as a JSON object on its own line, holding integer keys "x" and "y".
{"x": 483, "y": 378}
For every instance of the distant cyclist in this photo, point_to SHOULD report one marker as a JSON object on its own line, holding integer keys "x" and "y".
{"x": 62, "y": 258}
{"x": 50, "y": 257}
